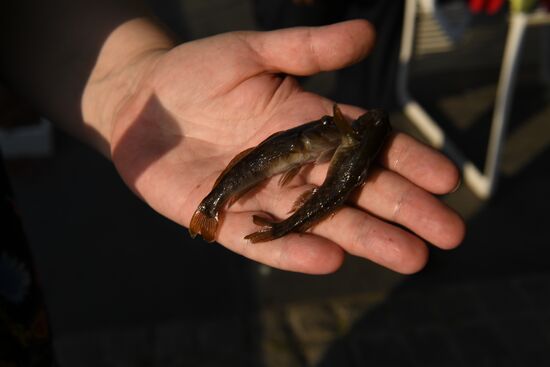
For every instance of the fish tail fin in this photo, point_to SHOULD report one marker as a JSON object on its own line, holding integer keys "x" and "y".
{"x": 264, "y": 234}
{"x": 203, "y": 224}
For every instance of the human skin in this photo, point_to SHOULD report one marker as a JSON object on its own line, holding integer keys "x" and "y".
{"x": 171, "y": 117}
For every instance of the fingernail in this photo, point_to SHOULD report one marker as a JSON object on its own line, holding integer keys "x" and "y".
{"x": 457, "y": 185}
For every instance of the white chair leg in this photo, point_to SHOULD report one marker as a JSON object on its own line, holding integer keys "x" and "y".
{"x": 545, "y": 50}
{"x": 418, "y": 115}
{"x": 505, "y": 91}
{"x": 406, "y": 49}
{"x": 482, "y": 184}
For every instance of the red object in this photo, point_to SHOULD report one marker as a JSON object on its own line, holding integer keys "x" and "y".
{"x": 476, "y": 5}
{"x": 489, "y": 6}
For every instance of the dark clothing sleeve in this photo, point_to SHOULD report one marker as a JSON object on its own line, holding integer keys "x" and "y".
{"x": 25, "y": 338}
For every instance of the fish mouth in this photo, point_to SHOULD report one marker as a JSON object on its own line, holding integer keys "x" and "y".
{"x": 375, "y": 117}
{"x": 378, "y": 116}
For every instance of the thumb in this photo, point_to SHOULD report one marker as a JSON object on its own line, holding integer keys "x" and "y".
{"x": 309, "y": 50}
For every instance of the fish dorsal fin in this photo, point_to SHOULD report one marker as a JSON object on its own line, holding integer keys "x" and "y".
{"x": 232, "y": 164}
{"x": 342, "y": 124}
{"x": 300, "y": 201}
{"x": 276, "y": 133}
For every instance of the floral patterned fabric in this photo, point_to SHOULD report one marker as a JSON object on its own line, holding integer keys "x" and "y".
{"x": 24, "y": 333}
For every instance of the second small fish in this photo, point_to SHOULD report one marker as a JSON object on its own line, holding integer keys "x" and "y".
{"x": 360, "y": 144}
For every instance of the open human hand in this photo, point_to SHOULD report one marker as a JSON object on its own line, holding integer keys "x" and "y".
{"x": 201, "y": 103}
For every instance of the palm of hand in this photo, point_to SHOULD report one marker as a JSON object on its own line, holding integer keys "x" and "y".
{"x": 200, "y": 105}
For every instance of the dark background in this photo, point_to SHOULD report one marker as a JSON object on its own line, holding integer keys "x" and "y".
{"x": 126, "y": 287}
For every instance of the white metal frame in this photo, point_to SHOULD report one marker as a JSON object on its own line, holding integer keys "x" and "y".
{"x": 482, "y": 183}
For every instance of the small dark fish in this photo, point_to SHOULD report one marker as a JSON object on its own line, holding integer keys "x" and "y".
{"x": 283, "y": 152}
{"x": 360, "y": 144}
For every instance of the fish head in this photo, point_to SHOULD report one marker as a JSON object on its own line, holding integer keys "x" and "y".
{"x": 373, "y": 128}
{"x": 326, "y": 120}
{"x": 374, "y": 120}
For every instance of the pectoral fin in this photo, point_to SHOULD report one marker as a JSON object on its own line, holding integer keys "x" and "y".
{"x": 288, "y": 176}
{"x": 264, "y": 234}
{"x": 326, "y": 156}
{"x": 261, "y": 221}
{"x": 301, "y": 200}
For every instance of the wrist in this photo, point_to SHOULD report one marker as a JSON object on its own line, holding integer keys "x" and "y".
{"x": 128, "y": 55}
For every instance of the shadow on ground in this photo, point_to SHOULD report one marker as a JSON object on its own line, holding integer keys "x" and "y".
{"x": 484, "y": 304}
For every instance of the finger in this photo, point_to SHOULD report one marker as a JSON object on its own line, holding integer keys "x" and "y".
{"x": 306, "y": 51}
{"x": 366, "y": 236}
{"x": 357, "y": 232}
{"x": 390, "y": 196}
{"x": 303, "y": 253}
{"x": 421, "y": 164}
